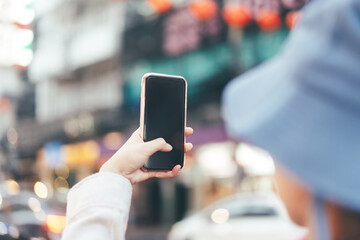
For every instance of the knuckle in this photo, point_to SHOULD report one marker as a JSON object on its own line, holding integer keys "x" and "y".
{"x": 162, "y": 141}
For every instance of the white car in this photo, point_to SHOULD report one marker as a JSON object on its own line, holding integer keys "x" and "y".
{"x": 251, "y": 216}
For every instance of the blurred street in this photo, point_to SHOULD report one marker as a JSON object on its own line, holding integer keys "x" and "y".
{"x": 70, "y": 79}
{"x": 147, "y": 233}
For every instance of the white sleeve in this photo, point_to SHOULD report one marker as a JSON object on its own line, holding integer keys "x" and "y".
{"x": 98, "y": 208}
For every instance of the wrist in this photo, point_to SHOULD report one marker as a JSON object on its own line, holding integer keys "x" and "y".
{"x": 106, "y": 168}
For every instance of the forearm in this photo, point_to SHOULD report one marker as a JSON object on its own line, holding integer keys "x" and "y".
{"x": 98, "y": 208}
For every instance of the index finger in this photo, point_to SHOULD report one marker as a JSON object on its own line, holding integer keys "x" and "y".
{"x": 188, "y": 131}
{"x": 136, "y": 136}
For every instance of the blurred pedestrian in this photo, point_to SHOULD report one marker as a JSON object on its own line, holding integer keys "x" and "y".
{"x": 98, "y": 206}
{"x": 303, "y": 106}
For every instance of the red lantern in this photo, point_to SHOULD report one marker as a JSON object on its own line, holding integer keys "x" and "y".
{"x": 204, "y": 9}
{"x": 161, "y": 6}
{"x": 236, "y": 15}
{"x": 268, "y": 20}
{"x": 292, "y": 18}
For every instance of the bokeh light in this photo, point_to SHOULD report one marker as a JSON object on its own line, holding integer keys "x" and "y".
{"x": 3, "y": 229}
{"x": 34, "y": 204}
{"x": 56, "y": 223}
{"x": 14, "y": 232}
{"x": 62, "y": 171}
{"x": 12, "y": 136}
{"x": 255, "y": 160}
{"x": 61, "y": 182}
{"x": 113, "y": 140}
{"x": 220, "y": 215}
{"x": 12, "y": 187}
{"x": 40, "y": 215}
{"x": 40, "y": 190}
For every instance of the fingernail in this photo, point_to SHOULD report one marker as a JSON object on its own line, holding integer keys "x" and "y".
{"x": 168, "y": 147}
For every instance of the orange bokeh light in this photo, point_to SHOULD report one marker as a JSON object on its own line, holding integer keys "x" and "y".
{"x": 56, "y": 223}
{"x": 161, "y": 6}
{"x": 268, "y": 20}
{"x": 236, "y": 15}
{"x": 204, "y": 9}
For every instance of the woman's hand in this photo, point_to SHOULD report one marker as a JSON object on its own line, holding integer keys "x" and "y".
{"x": 131, "y": 157}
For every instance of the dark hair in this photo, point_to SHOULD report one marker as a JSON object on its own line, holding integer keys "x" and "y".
{"x": 348, "y": 223}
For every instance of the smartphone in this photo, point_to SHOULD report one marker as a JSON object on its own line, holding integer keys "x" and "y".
{"x": 163, "y": 114}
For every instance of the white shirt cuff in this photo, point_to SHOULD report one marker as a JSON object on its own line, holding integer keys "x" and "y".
{"x": 99, "y": 190}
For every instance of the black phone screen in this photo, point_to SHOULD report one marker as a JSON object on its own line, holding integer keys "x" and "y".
{"x": 164, "y": 116}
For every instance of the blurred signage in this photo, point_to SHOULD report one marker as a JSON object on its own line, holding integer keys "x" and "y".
{"x": 209, "y": 62}
{"x": 52, "y": 154}
{"x": 201, "y": 50}
{"x": 16, "y": 37}
{"x": 172, "y": 34}
{"x": 16, "y": 11}
{"x": 73, "y": 155}
{"x": 173, "y": 43}
{"x": 268, "y": 15}
{"x": 15, "y": 45}
{"x": 179, "y": 31}
{"x": 258, "y": 46}
{"x": 257, "y": 6}
{"x": 291, "y": 4}
{"x": 183, "y": 32}
{"x": 81, "y": 154}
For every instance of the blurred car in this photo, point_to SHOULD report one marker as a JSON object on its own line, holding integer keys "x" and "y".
{"x": 251, "y": 216}
{"x": 24, "y": 216}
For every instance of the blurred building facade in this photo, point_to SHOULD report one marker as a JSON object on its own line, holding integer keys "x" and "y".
{"x": 11, "y": 87}
{"x": 76, "y": 66}
{"x": 16, "y": 94}
{"x": 74, "y": 73}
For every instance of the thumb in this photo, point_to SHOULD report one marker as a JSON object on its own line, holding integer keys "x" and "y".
{"x": 155, "y": 145}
